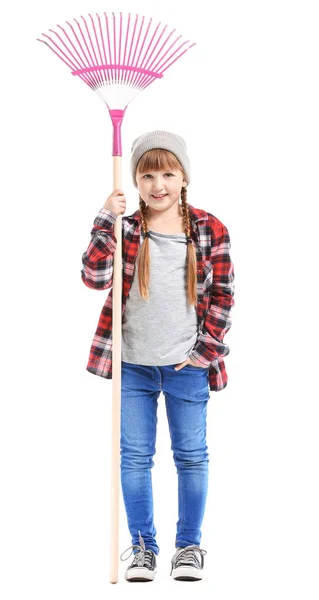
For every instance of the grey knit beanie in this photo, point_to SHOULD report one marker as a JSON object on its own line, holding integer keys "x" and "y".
{"x": 160, "y": 139}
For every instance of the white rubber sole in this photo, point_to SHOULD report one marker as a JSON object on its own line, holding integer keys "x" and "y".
{"x": 140, "y": 574}
{"x": 188, "y": 573}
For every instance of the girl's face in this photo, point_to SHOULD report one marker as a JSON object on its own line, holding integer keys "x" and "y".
{"x": 160, "y": 189}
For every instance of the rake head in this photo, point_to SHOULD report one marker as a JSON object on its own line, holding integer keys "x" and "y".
{"x": 117, "y": 57}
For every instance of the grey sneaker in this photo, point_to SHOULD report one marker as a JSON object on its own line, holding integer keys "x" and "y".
{"x": 143, "y": 567}
{"x": 186, "y": 565}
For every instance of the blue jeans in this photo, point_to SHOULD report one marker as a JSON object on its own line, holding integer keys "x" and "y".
{"x": 186, "y": 395}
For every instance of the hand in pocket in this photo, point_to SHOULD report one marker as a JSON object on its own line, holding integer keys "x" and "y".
{"x": 188, "y": 361}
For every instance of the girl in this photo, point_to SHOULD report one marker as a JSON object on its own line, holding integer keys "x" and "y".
{"x": 177, "y": 295}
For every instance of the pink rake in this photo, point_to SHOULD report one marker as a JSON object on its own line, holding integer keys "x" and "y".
{"x": 117, "y": 57}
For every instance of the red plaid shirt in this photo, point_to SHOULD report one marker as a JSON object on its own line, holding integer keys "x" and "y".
{"x": 215, "y": 287}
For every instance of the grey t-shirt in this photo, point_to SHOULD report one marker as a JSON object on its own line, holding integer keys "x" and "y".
{"x": 162, "y": 330}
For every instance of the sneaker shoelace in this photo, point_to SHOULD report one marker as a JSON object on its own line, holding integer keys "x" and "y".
{"x": 143, "y": 557}
{"x": 187, "y": 557}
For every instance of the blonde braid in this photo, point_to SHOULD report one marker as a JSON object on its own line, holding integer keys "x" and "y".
{"x": 143, "y": 258}
{"x": 191, "y": 253}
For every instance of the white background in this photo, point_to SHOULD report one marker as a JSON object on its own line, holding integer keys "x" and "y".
{"x": 245, "y": 99}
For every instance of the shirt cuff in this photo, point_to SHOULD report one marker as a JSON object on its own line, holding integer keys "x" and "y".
{"x": 199, "y": 359}
{"x": 105, "y": 218}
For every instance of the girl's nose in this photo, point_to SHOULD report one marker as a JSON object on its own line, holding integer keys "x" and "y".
{"x": 158, "y": 182}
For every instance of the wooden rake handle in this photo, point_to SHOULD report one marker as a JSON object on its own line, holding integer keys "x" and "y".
{"x": 116, "y": 383}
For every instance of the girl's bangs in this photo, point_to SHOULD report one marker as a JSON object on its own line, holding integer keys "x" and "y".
{"x": 158, "y": 160}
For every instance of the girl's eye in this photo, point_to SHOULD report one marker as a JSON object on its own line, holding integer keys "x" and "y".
{"x": 148, "y": 175}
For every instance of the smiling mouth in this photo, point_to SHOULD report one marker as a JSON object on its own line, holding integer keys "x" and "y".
{"x": 159, "y": 197}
